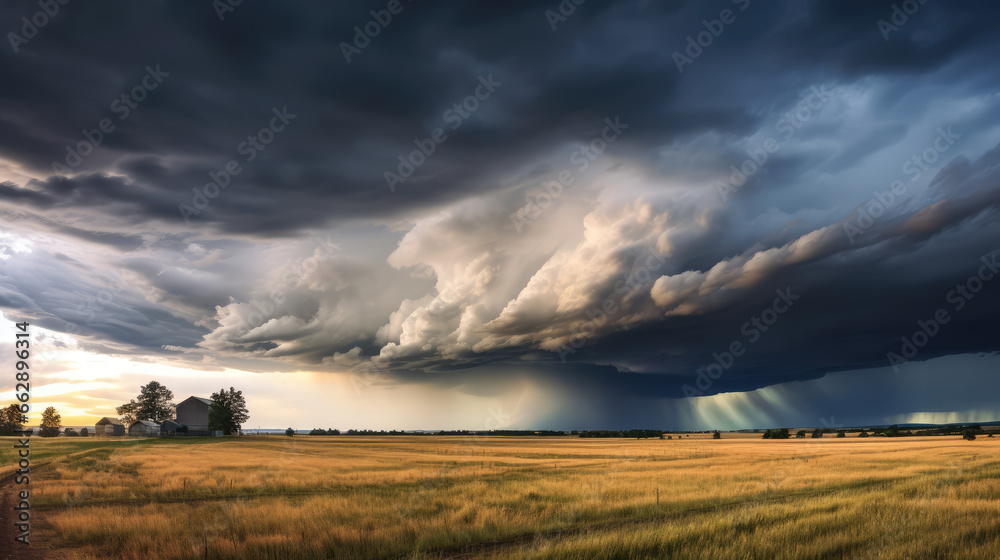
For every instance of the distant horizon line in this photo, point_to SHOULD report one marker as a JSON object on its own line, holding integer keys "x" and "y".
{"x": 568, "y": 431}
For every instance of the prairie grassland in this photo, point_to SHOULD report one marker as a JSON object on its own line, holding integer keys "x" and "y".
{"x": 429, "y": 497}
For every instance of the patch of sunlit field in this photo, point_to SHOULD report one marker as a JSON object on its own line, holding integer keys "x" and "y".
{"x": 309, "y": 497}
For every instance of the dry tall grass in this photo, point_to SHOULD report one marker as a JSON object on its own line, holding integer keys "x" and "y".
{"x": 428, "y": 497}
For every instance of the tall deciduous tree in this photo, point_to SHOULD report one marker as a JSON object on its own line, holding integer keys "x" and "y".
{"x": 127, "y": 412}
{"x": 51, "y": 421}
{"x": 154, "y": 404}
{"x": 228, "y": 412}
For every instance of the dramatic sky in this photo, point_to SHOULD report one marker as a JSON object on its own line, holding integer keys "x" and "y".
{"x": 669, "y": 214}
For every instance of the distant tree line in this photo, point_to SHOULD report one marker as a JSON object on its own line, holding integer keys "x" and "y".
{"x": 968, "y": 432}
{"x": 521, "y": 433}
{"x": 322, "y": 432}
{"x": 639, "y": 434}
{"x": 975, "y": 429}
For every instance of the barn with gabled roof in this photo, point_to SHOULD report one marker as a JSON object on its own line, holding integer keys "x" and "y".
{"x": 193, "y": 413}
{"x": 144, "y": 428}
{"x": 109, "y": 427}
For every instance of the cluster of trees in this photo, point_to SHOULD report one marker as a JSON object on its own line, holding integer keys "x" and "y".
{"x": 11, "y": 420}
{"x": 970, "y": 432}
{"x": 776, "y": 433}
{"x": 891, "y": 431}
{"x": 322, "y": 432}
{"x": 229, "y": 411}
{"x": 155, "y": 403}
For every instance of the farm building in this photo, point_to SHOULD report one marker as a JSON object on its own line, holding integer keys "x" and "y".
{"x": 193, "y": 413}
{"x": 172, "y": 428}
{"x": 144, "y": 428}
{"x": 109, "y": 427}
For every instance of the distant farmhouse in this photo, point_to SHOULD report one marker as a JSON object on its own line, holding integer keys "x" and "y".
{"x": 109, "y": 427}
{"x": 144, "y": 428}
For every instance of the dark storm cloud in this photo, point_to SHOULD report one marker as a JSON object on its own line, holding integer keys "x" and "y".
{"x": 354, "y": 119}
{"x": 517, "y": 296}
{"x": 931, "y": 35}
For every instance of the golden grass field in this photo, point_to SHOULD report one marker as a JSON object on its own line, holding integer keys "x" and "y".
{"x": 431, "y": 497}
